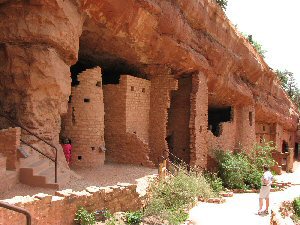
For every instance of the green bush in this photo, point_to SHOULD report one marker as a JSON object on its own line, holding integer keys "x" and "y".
{"x": 222, "y": 4}
{"x": 296, "y": 206}
{"x": 244, "y": 171}
{"x": 170, "y": 199}
{"x": 110, "y": 218}
{"x": 215, "y": 182}
{"x": 134, "y": 217}
{"x": 255, "y": 44}
{"x": 83, "y": 217}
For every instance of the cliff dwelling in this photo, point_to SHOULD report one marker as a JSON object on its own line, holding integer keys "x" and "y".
{"x": 130, "y": 85}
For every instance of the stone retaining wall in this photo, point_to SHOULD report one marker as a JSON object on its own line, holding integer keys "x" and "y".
{"x": 61, "y": 208}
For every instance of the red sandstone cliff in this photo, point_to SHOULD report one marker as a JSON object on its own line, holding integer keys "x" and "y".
{"x": 40, "y": 40}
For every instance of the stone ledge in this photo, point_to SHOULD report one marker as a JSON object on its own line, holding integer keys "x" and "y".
{"x": 61, "y": 207}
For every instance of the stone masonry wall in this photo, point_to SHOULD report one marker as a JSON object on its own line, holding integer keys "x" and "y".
{"x": 178, "y": 131}
{"x": 226, "y": 140}
{"x": 264, "y": 131}
{"x": 198, "y": 121}
{"x": 245, "y": 138}
{"x": 9, "y": 143}
{"x": 61, "y": 208}
{"x": 126, "y": 133}
{"x": 137, "y": 106}
{"x": 84, "y": 122}
{"x": 161, "y": 86}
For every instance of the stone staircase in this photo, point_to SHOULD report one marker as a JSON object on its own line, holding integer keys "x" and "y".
{"x": 39, "y": 172}
{"x": 10, "y": 177}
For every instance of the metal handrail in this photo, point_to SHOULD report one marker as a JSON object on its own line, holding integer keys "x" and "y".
{"x": 34, "y": 148}
{"x": 180, "y": 162}
{"x": 18, "y": 210}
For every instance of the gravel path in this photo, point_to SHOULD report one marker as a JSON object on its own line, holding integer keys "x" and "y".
{"x": 242, "y": 208}
{"x": 106, "y": 175}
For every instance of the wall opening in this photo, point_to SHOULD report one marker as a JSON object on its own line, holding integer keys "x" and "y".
{"x": 250, "y": 118}
{"x": 296, "y": 151}
{"x": 178, "y": 131}
{"x": 285, "y": 147}
{"x": 216, "y": 116}
{"x": 112, "y": 70}
{"x": 77, "y": 68}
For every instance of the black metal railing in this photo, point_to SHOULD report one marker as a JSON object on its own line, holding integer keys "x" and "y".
{"x": 178, "y": 163}
{"x": 18, "y": 210}
{"x": 33, "y": 147}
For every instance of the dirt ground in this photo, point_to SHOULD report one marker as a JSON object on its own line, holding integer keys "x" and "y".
{"x": 106, "y": 175}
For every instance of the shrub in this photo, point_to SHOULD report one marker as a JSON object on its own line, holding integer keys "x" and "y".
{"x": 296, "y": 206}
{"x": 244, "y": 171}
{"x": 110, "y": 218}
{"x": 83, "y": 217}
{"x": 170, "y": 198}
{"x": 215, "y": 182}
{"x": 255, "y": 44}
{"x": 261, "y": 154}
{"x": 222, "y": 4}
{"x": 134, "y": 217}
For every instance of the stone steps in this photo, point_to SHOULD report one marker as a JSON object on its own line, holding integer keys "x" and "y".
{"x": 39, "y": 173}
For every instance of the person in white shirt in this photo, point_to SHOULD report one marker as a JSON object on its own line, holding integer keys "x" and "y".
{"x": 264, "y": 193}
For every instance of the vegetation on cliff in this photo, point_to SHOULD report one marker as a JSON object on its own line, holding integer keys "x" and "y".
{"x": 289, "y": 84}
{"x": 222, "y": 4}
{"x": 255, "y": 44}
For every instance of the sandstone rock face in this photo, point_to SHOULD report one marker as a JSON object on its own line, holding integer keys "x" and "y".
{"x": 39, "y": 41}
{"x": 158, "y": 40}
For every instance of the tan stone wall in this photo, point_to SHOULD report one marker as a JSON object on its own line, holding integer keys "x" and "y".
{"x": 9, "y": 143}
{"x": 126, "y": 125}
{"x": 236, "y": 135}
{"x": 245, "y": 138}
{"x": 198, "y": 121}
{"x": 178, "y": 130}
{"x": 61, "y": 208}
{"x": 226, "y": 141}
{"x": 264, "y": 131}
{"x": 137, "y": 106}
{"x": 84, "y": 122}
{"x": 161, "y": 86}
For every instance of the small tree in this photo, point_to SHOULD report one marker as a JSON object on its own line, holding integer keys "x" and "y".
{"x": 289, "y": 84}
{"x": 222, "y": 4}
{"x": 255, "y": 44}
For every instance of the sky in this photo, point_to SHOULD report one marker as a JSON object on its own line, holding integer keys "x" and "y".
{"x": 275, "y": 24}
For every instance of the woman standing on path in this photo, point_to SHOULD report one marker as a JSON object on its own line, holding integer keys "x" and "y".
{"x": 265, "y": 190}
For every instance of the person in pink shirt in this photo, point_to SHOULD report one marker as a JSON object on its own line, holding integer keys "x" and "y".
{"x": 67, "y": 148}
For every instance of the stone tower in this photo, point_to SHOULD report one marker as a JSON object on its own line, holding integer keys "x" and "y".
{"x": 84, "y": 122}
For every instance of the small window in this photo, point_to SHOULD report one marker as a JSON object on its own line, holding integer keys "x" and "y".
{"x": 143, "y": 90}
{"x": 86, "y": 100}
{"x": 79, "y": 157}
{"x": 264, "y": 128}
{"x": 250, "y": 118}
{"x": 70, "y": 99}
{"x": 132, "y": 88}
{"x": 261, "y": 139}
{"x": 93, "y": 148}
{"x": 98, "y": 84}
